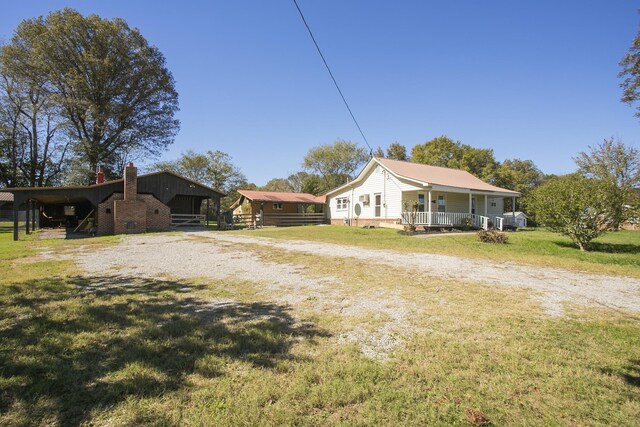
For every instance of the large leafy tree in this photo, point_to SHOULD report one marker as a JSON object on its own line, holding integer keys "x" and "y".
{"x": 445, "y": 152}
{"x": 278, "y": 184}
{"x": 110, "y": 85}
{"x": 397, "y": 151}
{"x": 574, "y": 206}
{"x": 336, "y": 163}
{"x": 631, "y": 74}
{"x": 519, "y": 175}
{"x": 618, "y": 166}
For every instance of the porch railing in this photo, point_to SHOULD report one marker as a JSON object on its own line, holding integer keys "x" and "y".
{"x": 188, "y": 220}
{"x": 288, "y": 219}
{"x": 446, "y": 219}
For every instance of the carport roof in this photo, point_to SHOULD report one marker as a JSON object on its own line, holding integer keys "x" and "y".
{"x": 164, "y": 185}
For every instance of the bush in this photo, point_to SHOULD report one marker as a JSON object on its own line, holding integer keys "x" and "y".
{"x": 466, "y": 224}
{"x": 492, "y": 236}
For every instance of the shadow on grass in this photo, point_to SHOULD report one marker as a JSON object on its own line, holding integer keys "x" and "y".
{"x": 69, "y": 347}
{"x": 610, "y": 248}
{"x": 630, "y": 373}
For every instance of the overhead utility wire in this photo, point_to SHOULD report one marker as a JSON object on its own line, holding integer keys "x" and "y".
{"x": 333, "y": 78}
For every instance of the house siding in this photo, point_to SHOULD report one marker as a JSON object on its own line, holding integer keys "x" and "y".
{"x": 377, "y": 181}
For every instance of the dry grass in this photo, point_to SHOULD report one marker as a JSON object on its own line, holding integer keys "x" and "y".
{"x": 76, "y": 349}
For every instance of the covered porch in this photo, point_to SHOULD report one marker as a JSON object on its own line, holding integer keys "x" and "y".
{"x": 444, "y": 209}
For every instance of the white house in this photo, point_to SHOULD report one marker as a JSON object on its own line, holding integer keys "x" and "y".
{"x": 386, "y": 189}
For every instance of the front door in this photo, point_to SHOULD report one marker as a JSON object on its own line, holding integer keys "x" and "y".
{"x": 473, "y": 205}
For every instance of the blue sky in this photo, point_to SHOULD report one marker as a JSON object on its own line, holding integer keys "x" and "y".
{"x": 530, "y": 79}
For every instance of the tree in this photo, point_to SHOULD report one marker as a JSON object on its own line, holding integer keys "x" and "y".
{"x": 31, "y": 130}
{"x": 519, "y": 175}
{"x": 296, "y": 181}
{"x": 631, "y": 74}
{"x": 111, "y": 86}
{"x": 618, "y": 167}
{"x": 214, "y": 168}
{"x": 278, "y": 184}
{"x": 574, "y": 206}
{"x": 336, "y": 163}
{"x": 378, "y": 153}
{"x": 397, "y": 151}
{"x": 440, "y": 151}
{"x": 445, "y": 152}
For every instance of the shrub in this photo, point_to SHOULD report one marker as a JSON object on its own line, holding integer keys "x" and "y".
{"x": 466, "y": 224}
{"x": 492, "y": 236}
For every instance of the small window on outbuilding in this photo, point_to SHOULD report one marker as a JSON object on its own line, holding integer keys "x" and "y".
{"x": 157, "y": 211}
{"x": 108, "y": 210}
{"x": 277, "y": 206}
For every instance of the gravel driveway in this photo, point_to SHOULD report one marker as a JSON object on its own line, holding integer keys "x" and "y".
{"x": 217, "y": 255}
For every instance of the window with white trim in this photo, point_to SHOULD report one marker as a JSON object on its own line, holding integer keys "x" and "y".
{"x": 341, "y": 203}
{"x": 494, "y": 204}
{"x": 442, "y": 207}
{"x": 277, "y": 206}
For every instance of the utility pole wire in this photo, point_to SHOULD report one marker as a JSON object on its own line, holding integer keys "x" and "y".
{"x": 333, "y": 78}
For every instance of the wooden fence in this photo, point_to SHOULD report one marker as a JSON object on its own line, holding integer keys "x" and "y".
{"x": 280, "y": 219}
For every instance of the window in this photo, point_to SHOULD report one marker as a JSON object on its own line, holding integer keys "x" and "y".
{"x": 473, "y": 205}
{"x": 378, "y": 204}
{"x": 341, "y": 203}
{"x": 277, "y": 206}
{"x": 494, "y": 204}
{"x": 441, "y": 204}
{"x": 420, "y": 202}
{"x": 69, "y": 210}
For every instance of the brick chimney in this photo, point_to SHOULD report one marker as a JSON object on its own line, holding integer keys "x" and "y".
{"x": 100, "y": 175}
{"x": 130, "y": 182}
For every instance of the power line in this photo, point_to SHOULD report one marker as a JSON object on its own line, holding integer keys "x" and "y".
{"x": 333, "y": 78}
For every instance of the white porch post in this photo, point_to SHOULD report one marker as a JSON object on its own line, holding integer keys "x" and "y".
{"x": 429, "y": 209}
{"x": 486, "y": 212}
{"x": 470, "y": 202}
{"x": 513, "y": 210}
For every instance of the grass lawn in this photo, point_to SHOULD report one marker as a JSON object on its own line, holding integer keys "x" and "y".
{"x": 83, "y": 350}
{"x": 614, "y": 253}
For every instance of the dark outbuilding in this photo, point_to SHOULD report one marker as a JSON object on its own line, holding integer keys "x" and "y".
{"x": 133, "y": 204}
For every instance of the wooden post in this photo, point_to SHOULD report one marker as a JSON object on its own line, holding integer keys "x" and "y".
{"x": 429, "y": 210}
{"x": 218, "y": 212}
{"x": 486, "y": 212}
{"x": 27, "y": 218}
{"x": 33, "y": 217}
{"x": 15, "y": 218}
{"x": 206, "y": 215}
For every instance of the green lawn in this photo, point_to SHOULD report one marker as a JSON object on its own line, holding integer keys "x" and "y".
{"x": 614, "y": 253}
{"x": 112, "y": 350}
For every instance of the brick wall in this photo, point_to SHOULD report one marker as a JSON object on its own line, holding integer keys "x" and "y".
{"x": 129, "y": 216}
{"x": 104, "y": 215}
{"x": 158, "y": 214}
